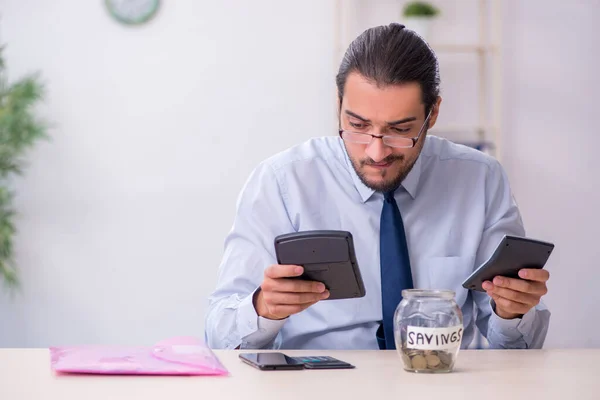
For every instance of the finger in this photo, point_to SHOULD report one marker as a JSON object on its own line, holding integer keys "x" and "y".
{"x": 283, "y": 271}
{"x": 531, "y": 274}
{"x": 513, "y": 295}
{"x": 292, "y": 285}
{"x": 276, "y": 298}
{"x": 519, "y": 285}
{"x": 510, "y": 306}
{"x": 493, "y": 296}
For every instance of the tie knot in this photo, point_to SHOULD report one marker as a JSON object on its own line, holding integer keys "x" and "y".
{"x": 389, "y": 196}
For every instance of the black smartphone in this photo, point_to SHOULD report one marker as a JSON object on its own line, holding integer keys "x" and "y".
{"x": 323, "y": 362}
{"x": 512, "y": 254}
{"x": 327, "y": 257}
{"x": 271, "y": 361}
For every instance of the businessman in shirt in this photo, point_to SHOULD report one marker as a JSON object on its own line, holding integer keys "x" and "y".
{"x": 424, "y": 213}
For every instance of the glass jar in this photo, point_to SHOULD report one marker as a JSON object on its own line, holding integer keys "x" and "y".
{"x": 428, "y": 327}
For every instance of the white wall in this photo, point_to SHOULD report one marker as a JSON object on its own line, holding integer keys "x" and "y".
{"x": 123, "y": 213}
{"x": 158, "y": 127}
{"x": 551, "y": 148}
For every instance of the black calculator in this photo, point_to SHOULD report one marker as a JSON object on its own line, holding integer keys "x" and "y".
{"x": 322, "y": 362}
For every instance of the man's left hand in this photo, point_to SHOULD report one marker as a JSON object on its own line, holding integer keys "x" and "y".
{"x": 514, "y": 297}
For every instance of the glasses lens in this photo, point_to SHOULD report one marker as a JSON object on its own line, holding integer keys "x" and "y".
{"x": 388, "y": 140}
{"x": 394, "y": 141}
{"x": 356, "y": 137}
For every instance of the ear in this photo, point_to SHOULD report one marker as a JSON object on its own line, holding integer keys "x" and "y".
{"x": 435, "y": 112}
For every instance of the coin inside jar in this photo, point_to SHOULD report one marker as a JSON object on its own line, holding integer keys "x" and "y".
{"x": 427, "y": 360}
{"x": 419, "y": 362}
{"x": 445, "y": 357}
{"x": 433, "y": 361}
{"x": 412, "y": 353}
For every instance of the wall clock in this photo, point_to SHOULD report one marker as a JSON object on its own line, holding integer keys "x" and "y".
{"x": 132, "y": 12}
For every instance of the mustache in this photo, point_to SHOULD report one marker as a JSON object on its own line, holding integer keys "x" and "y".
{"x": 389, "y": 159}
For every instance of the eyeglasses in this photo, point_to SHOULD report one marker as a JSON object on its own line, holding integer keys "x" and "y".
{"x": 397, "y": 140}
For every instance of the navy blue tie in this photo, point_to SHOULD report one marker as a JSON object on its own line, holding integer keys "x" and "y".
{"x": 395, "y": 268}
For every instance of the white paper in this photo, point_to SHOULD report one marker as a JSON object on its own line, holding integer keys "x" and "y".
{"x": 421, "y": 338}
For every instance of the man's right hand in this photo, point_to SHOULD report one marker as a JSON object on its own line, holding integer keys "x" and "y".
{"x": 279, "y": 297}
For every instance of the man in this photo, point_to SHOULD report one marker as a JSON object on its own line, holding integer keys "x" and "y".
{"x": 423, "y": 212}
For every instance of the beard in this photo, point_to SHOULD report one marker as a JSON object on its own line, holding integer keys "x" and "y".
{"x": 388, "y": 183}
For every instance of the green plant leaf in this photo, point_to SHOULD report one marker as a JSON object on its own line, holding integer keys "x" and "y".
{"x": 420, "y": 9}
{"x": 20, "y": 129}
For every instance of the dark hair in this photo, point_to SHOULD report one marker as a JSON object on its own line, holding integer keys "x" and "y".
{"x": 390, "y": 55}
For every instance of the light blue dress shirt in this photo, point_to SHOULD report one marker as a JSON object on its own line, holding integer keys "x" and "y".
{"x": 456, "y": 205}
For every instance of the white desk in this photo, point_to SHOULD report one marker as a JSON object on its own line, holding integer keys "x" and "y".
{"x": 483, "y": 374}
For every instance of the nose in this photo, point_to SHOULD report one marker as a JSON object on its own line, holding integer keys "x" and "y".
{"x": 377, "y": 150}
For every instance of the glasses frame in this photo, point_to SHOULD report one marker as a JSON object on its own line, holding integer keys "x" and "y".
{"x": 415, "y": 139}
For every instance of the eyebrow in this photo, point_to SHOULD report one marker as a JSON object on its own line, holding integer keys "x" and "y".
{"x": 397, "y": 122}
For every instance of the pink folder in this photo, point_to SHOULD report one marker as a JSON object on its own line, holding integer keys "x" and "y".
{"x": 175, "y": 356}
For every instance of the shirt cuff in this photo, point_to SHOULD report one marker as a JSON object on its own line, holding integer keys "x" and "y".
{"x": 255, "y": 331}
{"x": 512, "y": 327}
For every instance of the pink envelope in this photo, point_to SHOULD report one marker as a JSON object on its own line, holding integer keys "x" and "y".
{"x": 175, "y": 356}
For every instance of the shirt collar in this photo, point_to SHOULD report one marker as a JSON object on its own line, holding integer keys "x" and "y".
{"x": 410, "y": 183}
